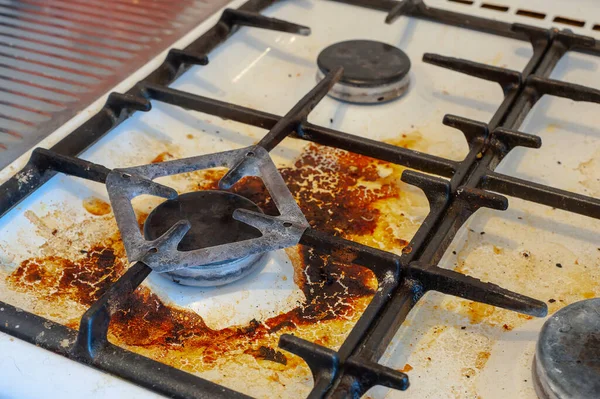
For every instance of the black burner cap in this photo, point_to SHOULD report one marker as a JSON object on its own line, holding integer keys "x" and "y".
{"x": 211, "y": 214}
{"x": 366, "y": 63}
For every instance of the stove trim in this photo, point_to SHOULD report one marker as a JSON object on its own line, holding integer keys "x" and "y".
{"x": 353, "y": 369}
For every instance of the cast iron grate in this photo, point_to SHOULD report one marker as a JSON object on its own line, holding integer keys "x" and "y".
{"x": 468, "y": 185}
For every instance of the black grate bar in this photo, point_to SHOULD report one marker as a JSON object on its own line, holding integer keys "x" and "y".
{"x": 323, "y": 362}
{"x": 307, "y": 131}
{"x": 565, "y": 41}
{"x": 177, "y": 58}
{"x": 463, "y": 203}
{"x": 92, "y": 346}
{"x": 253, "y": 19}
{"x": 402, "y": 280}
{"x": 514, "y": 138}
{"x": 379, "y": 262}
{"x": 93, "y": 327}
{"x": 506, "y": 78}
{"x": 453, "y": 283}
{"x": 59, "y": 339}
{"x": 291, "y": 121}
{"x": 209, "y": 106}
{"x": 92, "y": 340}
{"x": 568, "y": 90}
{"x": 35, "y": 329}
{"x": 437, "y": 192}
{"x": 402, "y": 7}
{"x": 454, "y": 207}
{"x": 379, "y": 150}
{"x": 286, "y": 125}
{"x": 475, "y": 132}
{"x": 380, "y": 5}
{"x": 119, "y": 104}
{"x": 46, "y": 159}
{"x": 541, "y": 194}
{"x": 372, "y": 374}
{"x": 418, "y": 9}
{"x": 539, "y": 83}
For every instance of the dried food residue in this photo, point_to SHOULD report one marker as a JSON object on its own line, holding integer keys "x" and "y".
{"x": 96, "y": 206}
{"x": 162, "y": 157}
{"x": 340, "y": 193}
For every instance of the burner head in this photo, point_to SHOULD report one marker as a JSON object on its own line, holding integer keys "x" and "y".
{"x": 210, "y": 213}
{"x": 373, "y": 71}
{"x": 567, "y": 357}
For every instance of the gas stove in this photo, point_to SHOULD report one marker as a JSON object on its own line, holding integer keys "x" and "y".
{"x": 287, "y": 204}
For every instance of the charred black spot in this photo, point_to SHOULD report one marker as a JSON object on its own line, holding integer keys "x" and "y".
{"x": 265, "y": 353}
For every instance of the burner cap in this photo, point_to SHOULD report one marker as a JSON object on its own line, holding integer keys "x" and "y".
{"x": 373, "y": 71}
{"x": 210, "y": 213}
{"x": 567, "y": 358}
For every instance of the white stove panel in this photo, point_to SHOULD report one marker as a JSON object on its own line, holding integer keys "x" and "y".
{"x": 450, "y": 348}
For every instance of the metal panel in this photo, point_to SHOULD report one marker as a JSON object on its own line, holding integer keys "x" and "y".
{"x": 58, "y": 56}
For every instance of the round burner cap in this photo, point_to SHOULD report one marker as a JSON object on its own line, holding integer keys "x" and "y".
{"x": 210, "y": 213}
{"x": 366, "y": 63}
{"x": 373, "y": 71}
{"x": 567, "y": 358}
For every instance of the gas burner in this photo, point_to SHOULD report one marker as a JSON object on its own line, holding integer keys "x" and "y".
{"x": 210, "y": 214}
{"x": 176, "y": 236}
{"x": 567, "y": 358}
{"x": 373, "y": 71}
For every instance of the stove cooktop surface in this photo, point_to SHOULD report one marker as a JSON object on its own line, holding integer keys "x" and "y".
{"x": 380, "y": 236}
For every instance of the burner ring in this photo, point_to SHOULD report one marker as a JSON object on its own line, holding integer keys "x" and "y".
{"x": 567, "y": 356}
{"x": 210, "y": 213}
{"x": 373, "y": 71}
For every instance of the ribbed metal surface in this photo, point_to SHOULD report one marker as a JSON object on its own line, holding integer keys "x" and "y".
{"x": 58, "y": 56}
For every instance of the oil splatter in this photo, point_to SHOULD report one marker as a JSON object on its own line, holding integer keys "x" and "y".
{"x": 482, "y": 358}
{"x": 407, "y": 367}
{"x": 589, "y": 172}
{"x": 96, "y": 206}
{"x": 162, "y": 157}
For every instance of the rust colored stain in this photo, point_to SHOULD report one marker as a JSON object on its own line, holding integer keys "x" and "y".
{"x": 477, "y": 312}
{"x": 96, "y": 206}
{"x": 163, "y": 156}
{"x": 407, "y": 367}
{"x": 337, "y": 192}
{"x": 83, "y": 280}
{"x": 482, "y": 358}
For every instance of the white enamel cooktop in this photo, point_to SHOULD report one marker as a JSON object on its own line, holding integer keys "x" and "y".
{"x": 270, "y": 71}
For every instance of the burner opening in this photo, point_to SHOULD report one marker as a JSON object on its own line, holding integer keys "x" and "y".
{"x": 210, "y": 213}
{"x": 374, "y": 72}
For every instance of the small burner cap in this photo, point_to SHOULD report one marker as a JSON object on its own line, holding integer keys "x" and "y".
{"x": 373, "y": 71}
{"x": 567, "y": 358}
{"x": 210, "y": 213}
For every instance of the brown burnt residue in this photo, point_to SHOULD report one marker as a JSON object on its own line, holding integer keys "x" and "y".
{"x": 339, "y": 194}
{"x": 265, "y": 353}
{"x": 162, "y": 157}
{"x": 482, "y": 358}
{"x": 83, "y": 280}
{"x": 96, "y": 206}
{"x": 407, "y": 367}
